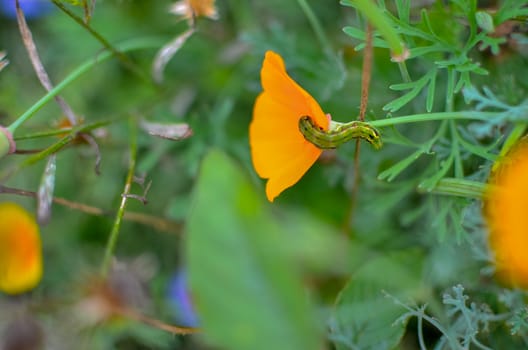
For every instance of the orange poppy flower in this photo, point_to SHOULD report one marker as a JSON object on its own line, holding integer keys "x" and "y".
{"x": 20, "y": 250}
{"x": 279, "y": 151}
{"x": 506, "y": 212}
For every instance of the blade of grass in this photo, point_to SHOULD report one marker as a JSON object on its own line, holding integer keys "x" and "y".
{"x": 416, "y": 118}
{"x": 114, "y": 233}
{"x": 124, "y": 59}
{"x": 135, "y": 44}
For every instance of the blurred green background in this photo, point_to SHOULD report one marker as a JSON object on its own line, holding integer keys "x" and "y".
{"x": 311, "y": 244}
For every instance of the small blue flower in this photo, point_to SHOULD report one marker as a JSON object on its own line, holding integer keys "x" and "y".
{"x": 31, "y": 8}
{"x": 180, "y": 300}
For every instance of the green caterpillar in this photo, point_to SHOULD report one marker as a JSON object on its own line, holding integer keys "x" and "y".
{"x": 339, "y": 133}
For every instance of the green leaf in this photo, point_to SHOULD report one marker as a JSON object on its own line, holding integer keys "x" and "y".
{"x": 463, "y": 82}
{"x": 360, "y": 35}
{"x": 403, "y": 86}
{"x": 485, "y": 21}
{"x": 318, "y": 247}
{"x": 431, "y": 93}
{"x": 354, "y": 32}
{"x": 247, "y": 291}
{"x": 404, "y": 10}
{"x": 427, "y": 185}
{"x": 415, "y": 88}
{"x": 365, "y": 317}
{"x": 424, "y": 50}
{"x": 391, "y": 173}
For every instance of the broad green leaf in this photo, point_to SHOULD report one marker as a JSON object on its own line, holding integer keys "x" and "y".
{"x": 319, "y": 248}
{"x": 364, "y": 316}
{"x": 247, "y": 290}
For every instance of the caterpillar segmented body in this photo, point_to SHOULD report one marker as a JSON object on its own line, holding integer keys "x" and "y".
{"x": 339, "y": 134}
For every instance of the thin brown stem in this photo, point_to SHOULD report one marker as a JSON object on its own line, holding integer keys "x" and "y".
{"x": 155, "y": 222}
{"x": 366, "y": 74}
{"x": 365, "y": 86}
{"x": 134, "y": 315}
{"x": 34, "y": 57}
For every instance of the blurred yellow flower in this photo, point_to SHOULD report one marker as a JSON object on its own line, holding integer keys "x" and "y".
{"x": 20, "y": 250}
{"x": 506, "y": 211}
{"x": 279, "y": 151}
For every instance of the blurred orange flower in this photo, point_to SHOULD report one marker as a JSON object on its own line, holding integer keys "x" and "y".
{"x": 20, "y": 250}
{"x": 195, "y": 8}
{"x": 506, "y": 211}
{"x": 279, "y": 150}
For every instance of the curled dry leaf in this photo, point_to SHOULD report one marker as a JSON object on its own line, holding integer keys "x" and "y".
{"x": 31, "y": 48}
{"x": 45, "y": 191}
{"x": 173, "y": 131}
{"x": 187, "y": 9}
{"x": 167, "y": 52}
{"x": 3, "y": 60}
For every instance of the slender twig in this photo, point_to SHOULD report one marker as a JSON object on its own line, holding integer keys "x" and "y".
{"x": 124, "y": 59}
{"x": 135, "y": 44}
{"x": 80, "y": 128}
{"x": 28, "y": 151}
{"x": 27, "y": 39}
{"x": 42, "y": 134}
{"x": 366, "y": 73}
{"x": 95, "y": 146}
{"x": 316, "y": 26}
{"x": 57, "y": 146}
{"x": 379, "y": 20}
{"x": 423, "y": 117}
{"x": 365, "y": 86}
{"x": 134, "y": 315}
{"x": 155, "y": 222}
{"x": 114, "y": 233}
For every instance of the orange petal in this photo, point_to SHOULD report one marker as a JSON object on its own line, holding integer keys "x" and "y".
{"x": 278, "y": 149}
{"x": 506, "y": 209}
{"x": 20, "y": 250}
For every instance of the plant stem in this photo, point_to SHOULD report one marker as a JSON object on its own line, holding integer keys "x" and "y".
{"x": 404, "y": 72}
{"x": 125, "y": 60}
{"x": 114, "y": 233}
{"x": 67, "y": 130}
{"x": 316, "y": 26}
{"x": 158, "y": 223}
{"x": 64, "y": 141}
{"x": 459, "y": 188}
{"x": 136, "y": 44}
{"x": 373, "y": 13}
{"x": 416, "y": 118}
{"x": 513, "y": 138}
